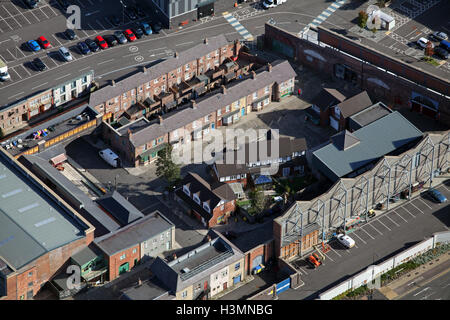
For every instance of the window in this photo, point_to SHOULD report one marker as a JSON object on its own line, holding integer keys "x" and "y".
{"x": 162, "y": 236}
{"x": 207, "y": 118}
{"x": 144, "y": 147}
{"x": 132, "y": 92}
{"x": 134, "y": 250}
{"x": 416, "y": 160}
{"x": 227, "y": 109}
{"x": 155, "y": 81}
{"x": 266, "y": 89}
{"x": 74, "y": 84}
{"x": 85, "y": 79}
{"x": 206, "y": 207}
{"x": 30, "y": 273}
{"x": 201, "y": 60}
{"x": 160, "y": 140}
{"x": 186, "y": 76}
{"x": 175, "y": 134}
{"x": 116, "y": 100}
{"x": 124, "y": 95}
{"x": 179, "y": 70}
{"x": 186, "y": 67}
{"x": 62, "y": 89}
{"x": 208, "y": 55}
{"x": 163, "y": 88}
{"x": 217, "y": 52}
{"x": 184, "y": 294}
{"x": 224, "y": 50}
{"x": 145, "y": 244}
{"x": 148, "y": 85}
{"x": 30, "y": 284}
{"x": 123, "y": 256}
{"x": 168, "y": 234}
{"x": 154, "y": 143}
{"x": 196, "y": 199}
{"x": 219, "y": 112}
{"x": 140, "y": 89}
{"x": 194, "y": 124}
{"x": 186, "y": 190}
{"x": 237, "y": 266}
{"x": 255, "y": 95}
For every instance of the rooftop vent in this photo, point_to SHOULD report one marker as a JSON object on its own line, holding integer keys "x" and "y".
{"x": 185, "y": 270}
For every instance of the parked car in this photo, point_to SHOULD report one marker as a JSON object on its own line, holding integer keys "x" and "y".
{"x": 70, "y": 34}
{"x": 101, "y": 42}
{"x": 439, "y": 35}
{"x": 44, "y": 42}
{"x": 436, "y": 195}
{"x": 345, "y": 240}
{"x": 130, "y": 35}
{"x": 92, "y": 45}
{"x": 146, "y": 28}
{"x": 83, "y": 47}
{"x": 156, "y": 27}
{"x": 422, "y": 42}
{"x": 31, "y": 4}
{"x": 130, "y": 13}
{"x": 111, "y": 40}
{"x": 441, "y": 53}
{"x": 114, "y": 20}
{"x": 33, "y": 45}
{"x": 120, "y": 37}
{"x": 64, "y": 4}
{"x": 314, "y": 260}
{"x": 39, "y": 65}
{"x": 65, "y": 54}
{"x": 138, "y": 32}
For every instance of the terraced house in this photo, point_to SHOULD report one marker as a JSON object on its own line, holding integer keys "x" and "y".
{"x": 139, "y": 141}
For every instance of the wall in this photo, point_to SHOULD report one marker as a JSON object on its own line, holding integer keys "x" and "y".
{"x": 372, "y": 273}
{"x": 114, "y": 261}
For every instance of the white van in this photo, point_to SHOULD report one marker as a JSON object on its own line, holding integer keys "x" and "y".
{"x": 110, "y": 157}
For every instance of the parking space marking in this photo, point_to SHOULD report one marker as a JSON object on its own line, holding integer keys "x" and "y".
{"x": 328, "y": 256}
{"x": 362, "y": 228}
{"x": 335, "y": 252}
{"x": 408, "y": 212}
{"x": 399, "y": 215}
{"x": 56, "y": 14}
{"x": 12, "y": 16}
{"x": 354, "y": 233}
{"x": 393, "y": 221}
{"x": 416, "y": 207}
{"x": 31, "y": 11}
{"x": 15, "y": 73}
{"x": 105, "y": 61}
{"x": 425, "y": 203}
{"x": 303, "y": 270}
{"x": 26, "y": 70}
{"x": 384, "y": 224}
{"x": 40, "y": 9}
{"x": 101, "y": 25}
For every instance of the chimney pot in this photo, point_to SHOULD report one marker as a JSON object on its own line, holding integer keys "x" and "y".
{"x": 205, "y": 41}
{"x": 224, "y": 89}
{"x": 176, "y": 54}
{"x": 160, "y": 119}
{"x": 269, "y": 67}
{"x": 253, "y": 74}
{"x": 209, "y": 238}
{"x": 113, "y": 83}
{"x": 174, "y": 256}
{"x": 194, "y": 104}
{"x": 145, "y": 70}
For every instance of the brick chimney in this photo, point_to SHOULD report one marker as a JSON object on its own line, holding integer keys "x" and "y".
{"x": 174, "y": 256}
{"x": 160, "y": 119}
{"x": 176, "y": 54}
{"x": 224, "y": 89}
{"x": 208, "y": 238}
{"x": 205, "y": 40}
{"x": 269, "y": 67}
{"x": 113, "y": 83}
{"x": 194, "y": 104}
{"x": 253, "y": 75}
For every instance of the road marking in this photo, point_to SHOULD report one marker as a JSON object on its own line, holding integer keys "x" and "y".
{"x": 12, "y": 17}
{"x": 42, "y": 84}
{"x": 427, "y": 288}
{"x": 393, "y": 221}
{"x": 367, "y": 233}
{"x": 335, "y": 252}
{"x": 408, "y": 212}
{"x": 328, "y": 256}
{"x": 303, "y": 270}
{"x": 56, "y": 14}
{"x": 85, "y": 68}
{"x": 43, "y": 13}
{"x": 399, "y": 215}
{"x": 105, "y": 61}
{"x": 34, "y": 15}
{"x": 185, "y": 43}
{"x": 56, "y": 38}
{"x": 16, "y": 93}
{"x": 384, "y": 225}
{"x": 66, "y": 75}
{"x": 26, "y": 70}
{"x": 427, "y": 296}
{"x": 16, "y": 73}
{"x": 100, "y": 24}
{"x": 25, "y": 18}
{"x": 354, "y": 233}
{"x": 416, "y": 207}
{"x": 376, "y": 229}
{"x": 426, "y": 204}
{"x": 156, "y": 49}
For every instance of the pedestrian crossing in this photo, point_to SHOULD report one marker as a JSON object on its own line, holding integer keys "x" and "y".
{"x": 239, "y": 27}
{"x": 325, "y": 14}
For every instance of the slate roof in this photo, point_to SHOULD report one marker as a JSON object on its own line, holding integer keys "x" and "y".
{"x": 108, "y": 92}
{"x": 376, "y": 140}
{"x": 151, "y": 289}
{"x": 328, "y": 97}
{"x": 247, "y": 241}
{"x": 135, "y": 233}
{"x": 32, "y": 221}
{"x": 355, "y": 104}
{"x": 120, "y": 208}
{"x": 281, "y": 71}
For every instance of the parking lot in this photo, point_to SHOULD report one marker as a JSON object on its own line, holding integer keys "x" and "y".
{"x": 383, "y": 236}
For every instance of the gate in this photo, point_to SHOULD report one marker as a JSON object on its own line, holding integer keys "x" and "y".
{"x": 283, "y": 285}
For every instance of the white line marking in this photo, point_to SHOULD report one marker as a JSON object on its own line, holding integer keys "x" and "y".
{"x": 393, "y": 221}
{"x": 400, "y": 216}
{"x": 16, "y": 73}
{"x": 40, "y": 9}
{"x": 105, "y": 61}
{"x": 303, "y": 270}
{"x": 367, "y": 233}
{"x": 16, "y": 93}
{"x": 25, "y": 18}
{"x": 416, "y": 207}
{"x": 12, "y": 16}
{"x": 34, "y": 15}
{"x": 66, "y": 75}
{"x": 408, "y": 212}
{"x": 26, "y": 70}
{"x": 384, "y": 225}
{"x": 56, "y": 14}
{"x": 376, "y": 229}
{"x": 185, "y": 43}
{"x": 335, "y": 252}
{"x": 101, "y": 25}
{"x": 42, "y": 84}
{"x": 85, "y": 68}
{"x": 328, "y": 257}
{"x": 56, "y": 38}
{"x": 427, "y": 288}
{"x": 354, "y": 233}
{"x": 425, "y": 203}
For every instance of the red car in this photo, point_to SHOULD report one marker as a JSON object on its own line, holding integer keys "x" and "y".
{"x": 130, "y": 35}
{"x": 44, "y": 42}
{"x": 101, "y": 42}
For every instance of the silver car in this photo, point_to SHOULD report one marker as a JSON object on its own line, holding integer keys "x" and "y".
{"x": 65, "y": 54}
{"x": 439, "y": 35}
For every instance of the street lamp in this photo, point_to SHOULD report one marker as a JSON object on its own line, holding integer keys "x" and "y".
{"x": 123, "y": 10}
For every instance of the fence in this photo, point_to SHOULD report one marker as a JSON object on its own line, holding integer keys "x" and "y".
{"x": 373, "y": 272}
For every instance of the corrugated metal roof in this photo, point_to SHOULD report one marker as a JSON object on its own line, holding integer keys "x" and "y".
{"x": 376, "y": 140}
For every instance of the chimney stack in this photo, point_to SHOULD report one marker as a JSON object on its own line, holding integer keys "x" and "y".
{"x": 176, "y": 54}
{"x": 174, "y": 256}
{"x": 224, "y": 89}
{"x": 144, "y": 69}
{"x": 205, "y": 41}
{"x": 113, "y": 83}
{"x": 208, "y": 238}
{"x": 253, "y": 75}
{"x": 194, "y": 104}
{"x": 160, "y": 119}
{"x": 139, "y": 282}
{"x": 269, "y": 67}
{"x": 129, "y": 133}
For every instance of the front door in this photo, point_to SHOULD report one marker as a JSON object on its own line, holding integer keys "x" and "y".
{"x": 124, "y": 268}
{"x": 224, "y": 286}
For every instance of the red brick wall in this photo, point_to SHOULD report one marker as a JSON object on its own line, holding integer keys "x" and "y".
{"x": 228, "y": 207}
{"x": 114, "y": 261}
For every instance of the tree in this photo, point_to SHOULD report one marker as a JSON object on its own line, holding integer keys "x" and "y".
{"x": 258, "y": 200}
{"x": 362, "y": 19}
{"x": 165, "y": 167}
{"x": 429, "y": 49}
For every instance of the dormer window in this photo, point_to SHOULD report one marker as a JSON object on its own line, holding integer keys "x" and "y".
{"x": 196, "y": 198}
{"x": 206, "y": 207}
{"x": 186, "y": 190}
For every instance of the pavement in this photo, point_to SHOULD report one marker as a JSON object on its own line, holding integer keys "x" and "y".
{"x": 18, "y": 25}
{"x": 431, "y": 279}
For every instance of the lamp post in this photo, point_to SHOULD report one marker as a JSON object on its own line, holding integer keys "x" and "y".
{"x": 123, "y": 10}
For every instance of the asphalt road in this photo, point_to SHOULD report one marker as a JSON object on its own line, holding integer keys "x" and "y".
{"x": 18, "y": 25}
{"x": 378, "y": 240}
{"x": 437, "y": 289}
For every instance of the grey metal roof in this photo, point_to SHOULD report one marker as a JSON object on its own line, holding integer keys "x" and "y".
{"x": 86, "y": 255}
{"x": 281, "y": 71}
{"x": 31, "y": 221}
{"x": 371, "y": 114}
{"x": 106, "y": 93}
{"x": 120, "y": 208}
{"x": 247, "y": 241}
{"x": 376, "y": 140}
{"x": 70, "y": 189}
{"x": 344, "y": 140}
{"x": 135, "y": 233}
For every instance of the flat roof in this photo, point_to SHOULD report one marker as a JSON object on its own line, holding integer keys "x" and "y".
{"x": 151, "y": 289}
{"x": 32, "y": 222}
{"x": 375, "y": 140}
{"x": 371, "y": 114}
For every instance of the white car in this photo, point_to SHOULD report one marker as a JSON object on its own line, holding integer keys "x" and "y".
{"x": 423, "y": 42}
{"x": 272, "y": 3}
{"x": 439, "y": 35}
{"x": 346, "y": 241}
{"x": 65, "y": 54}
